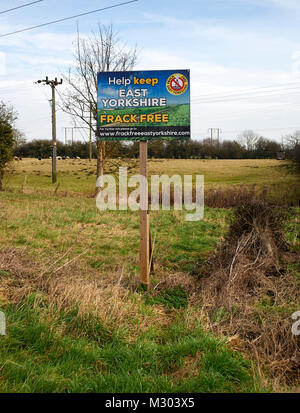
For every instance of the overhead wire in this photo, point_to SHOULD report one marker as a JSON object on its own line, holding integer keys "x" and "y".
{"x": 239, "y": 91}
{"x": 21, "y": 6}
{"x": 267, "y": 94}
{"x": 68, "y": 18}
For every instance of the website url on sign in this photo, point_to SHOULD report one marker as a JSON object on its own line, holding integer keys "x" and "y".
{"x": 139, "y": 134}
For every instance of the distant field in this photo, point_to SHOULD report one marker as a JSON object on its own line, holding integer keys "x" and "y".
{"x": 78, "y": 176}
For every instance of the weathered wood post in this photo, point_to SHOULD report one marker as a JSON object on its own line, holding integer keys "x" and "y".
{"x": 144, "y": 219}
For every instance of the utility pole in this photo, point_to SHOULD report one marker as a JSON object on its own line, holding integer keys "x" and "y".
{"x": 66, "y": 128}
{"x": 212, "y": 133}
{"x": 90, "y": 147}
{"x": 53, "y": 83}
{"x": 211, "y": 130}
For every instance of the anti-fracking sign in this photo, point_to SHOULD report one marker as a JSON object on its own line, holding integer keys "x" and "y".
{"x": 143, "y": 105}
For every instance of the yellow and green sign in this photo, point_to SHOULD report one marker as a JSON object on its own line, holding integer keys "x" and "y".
{"x": 144, "y": 105}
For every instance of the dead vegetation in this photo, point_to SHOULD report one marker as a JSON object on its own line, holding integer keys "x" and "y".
{"x": 248, "y": 293}
{"x": 185, "y": 281}
{"x": 237, "y": 195}
{"x": 243, "y": 292}
{"x": 229, "y": 197}
{"x": 67, "y": 284}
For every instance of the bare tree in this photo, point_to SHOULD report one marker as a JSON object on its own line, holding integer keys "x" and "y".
{"x": 102, "y": 51}
{"x": 292, "y": 140}
{"x": 248, "y": 139}
{"x": 19, "y": 137}
{"x": 292, "y": 147}
{"x": 7, "y": 113}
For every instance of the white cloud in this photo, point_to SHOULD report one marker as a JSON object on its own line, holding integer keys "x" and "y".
{"x": 110, "y": 92}
{"x": 252, "y": 56}
{"x": 206, "y": 79}
{"x": 2, "y": 64}
{"x": 211, "y": 79}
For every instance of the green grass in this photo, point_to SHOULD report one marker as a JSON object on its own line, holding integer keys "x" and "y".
{"x": 61, "y": 351}
{"x": 158, "y": 344}
{"x": 112, "y": 238}
{"x": 170, "y": 297}
{"x": 39, "y": 355}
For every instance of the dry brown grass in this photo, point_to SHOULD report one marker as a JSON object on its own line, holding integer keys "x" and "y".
{"x": 236, "y": 195}
{"x": 186, "y": 281}
{"x": 249, "y": 295}
{"x": 191, "y": 366}
{"x": 93, "y": 292}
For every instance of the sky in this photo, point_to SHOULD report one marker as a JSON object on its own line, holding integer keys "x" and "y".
{"x": 244, "y": 58}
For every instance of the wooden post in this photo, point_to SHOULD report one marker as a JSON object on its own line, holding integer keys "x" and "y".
{"x": 90, "y": 144}
{"x": 144, "y": 222}
{"x": 54, "y": 149}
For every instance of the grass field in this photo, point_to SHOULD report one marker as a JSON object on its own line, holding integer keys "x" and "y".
{"x": 78, "y": 176}
{"x": 77, "y": 320}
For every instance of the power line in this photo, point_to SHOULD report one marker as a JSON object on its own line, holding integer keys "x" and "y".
{"x": 248, "y": 95}
{"x": 77, "y": 127}
{"x": 251, "y": 90}
{"x": 68, "y": 18}
{"x": 263, "y": 110}
{"x": 266, "y": 130}
{"x": 20, "y": 7}
{"x": 257, "y": 130}
{"x": 210, "y": 95}
{"x": 243, "y": 98}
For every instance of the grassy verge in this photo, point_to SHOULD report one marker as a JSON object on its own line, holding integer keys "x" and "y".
{"x": 51, "y": 351}
{"x": 76, "y": 320}
{"x": 79, "y": 330}
{"x": 48, "y": 225}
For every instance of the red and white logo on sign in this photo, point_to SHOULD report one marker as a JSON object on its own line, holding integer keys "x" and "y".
{"x": 177, "y": 84}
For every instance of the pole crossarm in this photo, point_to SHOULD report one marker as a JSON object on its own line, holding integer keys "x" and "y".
{"x": 54, "y": 82}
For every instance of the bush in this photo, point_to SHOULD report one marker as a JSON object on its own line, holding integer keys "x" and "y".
{"x": 6, "y": 145}
{"x": 247, "y": 291}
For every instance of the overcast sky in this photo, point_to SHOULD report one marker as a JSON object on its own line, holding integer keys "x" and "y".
{"x": 244, "y": 57}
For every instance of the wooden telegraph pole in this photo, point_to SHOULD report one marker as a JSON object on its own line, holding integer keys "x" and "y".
{"x": 90, "y": 143}
{"x": 53, "y": 84}
{"x": 212, "y": 133}
{"x": 144, "y": 220}
{"x": 54, "y": 148}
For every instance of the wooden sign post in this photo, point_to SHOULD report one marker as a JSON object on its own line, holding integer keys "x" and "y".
{"x": 144, "y": 220}
{"x": 141, "y": 105}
